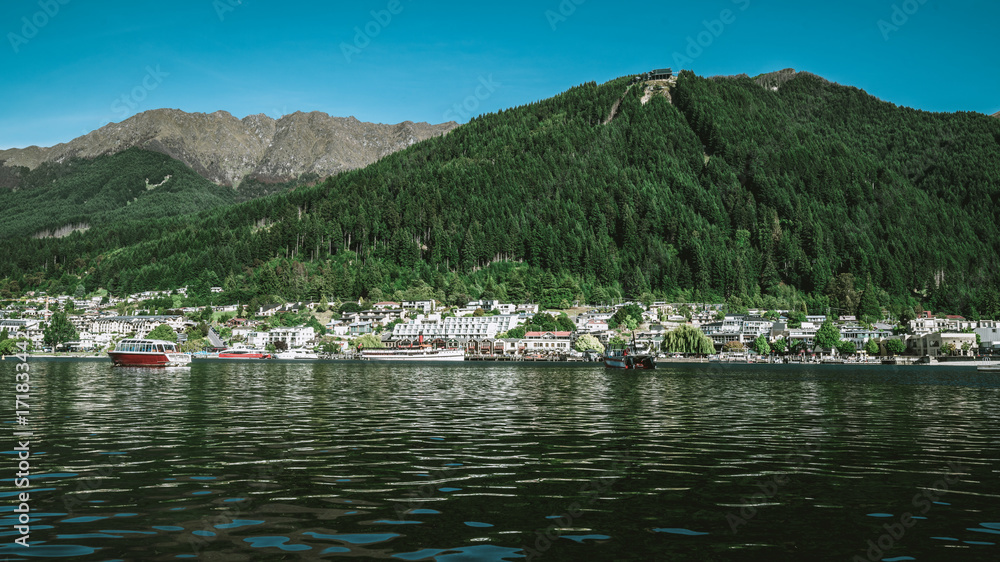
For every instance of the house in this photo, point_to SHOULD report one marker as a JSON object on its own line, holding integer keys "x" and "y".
{"x": 386, "y": 305}
{"x": 294, "y": 337}
{"x": 805, "y": 333}
{"x": 660, "y": 74}
{"x": 360, "y": 328}
{"x": 924, "y": 325}
{"x": 546, "y": 342}
{"x": 28, "y": 328}
{"x": 269, "y": 310}
{"x": 338, "y": 328}
{"x": 379, "y": 317}
{"x": 859, "y": 335}
{"x": 592, "y": 326}
{"x": 470, "y": 308}
{"x": 425, "y": 307}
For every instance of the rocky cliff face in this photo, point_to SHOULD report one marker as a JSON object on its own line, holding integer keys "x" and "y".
{"x": 227, "y": 150}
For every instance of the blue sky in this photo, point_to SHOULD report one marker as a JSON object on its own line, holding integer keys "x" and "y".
{"x": 70, "y": 66}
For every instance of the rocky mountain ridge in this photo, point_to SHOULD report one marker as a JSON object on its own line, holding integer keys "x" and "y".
{"x": 227, "y": 150}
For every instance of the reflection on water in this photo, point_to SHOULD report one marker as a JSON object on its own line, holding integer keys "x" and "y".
{"x": 230, "y": 461}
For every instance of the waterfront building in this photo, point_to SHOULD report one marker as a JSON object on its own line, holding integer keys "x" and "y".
{"x": 134, "y": 324}
{"x": 293, "y": 337}
{"x": 989, "y": 335}
{"x": 466, "y": 327}
{"x": 859, "y": 335}
{"x": 546, "y": 342}
{"x": 931, "y": 344}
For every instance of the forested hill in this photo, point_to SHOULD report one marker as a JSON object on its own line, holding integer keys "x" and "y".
{"x": 725, "y": 188}
{"x": 135, "y": 184}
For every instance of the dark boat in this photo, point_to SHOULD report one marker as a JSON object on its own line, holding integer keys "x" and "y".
{"x": 627, "y": 358}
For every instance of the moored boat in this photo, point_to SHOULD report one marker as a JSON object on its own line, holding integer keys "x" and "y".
{"x": 628, "y": 358}
{"x": 243, "y": 353}
{"x": 622, "y": 359}
{"x": 413, "y": 354}
{"x": 296, "y": 354}
{"x": 138, "y": 352}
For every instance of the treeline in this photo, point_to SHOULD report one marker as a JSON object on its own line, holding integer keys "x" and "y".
{"x": 807, "y": 197}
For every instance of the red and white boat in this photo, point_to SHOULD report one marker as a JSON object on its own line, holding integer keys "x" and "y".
{"x": 134, "y": 352}
{"x": 243, "y": 353}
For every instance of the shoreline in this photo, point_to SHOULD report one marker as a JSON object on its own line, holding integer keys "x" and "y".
{"x": 663, "y": 364}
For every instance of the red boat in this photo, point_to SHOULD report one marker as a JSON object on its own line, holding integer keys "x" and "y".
{"x": 135, "y": 352}
{"x": 241, "y": 353}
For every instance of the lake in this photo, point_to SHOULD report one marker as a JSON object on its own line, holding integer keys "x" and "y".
{"x": 473, "y": 461}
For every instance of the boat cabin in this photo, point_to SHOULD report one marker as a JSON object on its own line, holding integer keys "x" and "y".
{"x": 146, "y": 346}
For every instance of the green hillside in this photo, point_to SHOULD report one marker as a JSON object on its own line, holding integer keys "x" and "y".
{"x": 102, "y": 191}
{"x": 731, "y": 191}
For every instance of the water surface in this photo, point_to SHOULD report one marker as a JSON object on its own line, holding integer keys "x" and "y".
{"x": 258, "y": 460}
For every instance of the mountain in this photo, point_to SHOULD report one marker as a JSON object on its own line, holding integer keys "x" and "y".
{"x": 227, "y": 151}
{"x": 785, "y": 191}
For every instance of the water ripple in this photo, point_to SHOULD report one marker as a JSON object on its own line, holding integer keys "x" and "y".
{"x": 496, "y": 462}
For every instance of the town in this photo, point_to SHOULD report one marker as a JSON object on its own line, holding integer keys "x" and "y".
{"x": 484, "y": 329}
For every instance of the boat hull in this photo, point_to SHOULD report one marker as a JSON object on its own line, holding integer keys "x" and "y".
{"x": 130, "y": 359}
{"x": 224, "y": 355}
{"x": 629, "y": 362}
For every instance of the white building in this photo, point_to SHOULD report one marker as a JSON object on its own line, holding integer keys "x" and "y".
{"x": 989, "y": 335}
{"x": 931, "y": 344}
{"x": 134, "y": 324}
{"x": 546, "y": 342}
{"x": 294, "y": 337}
{"x": 29, "y": 328}
{"x": 467, "y": 327}
{"x": 426, "y": 307}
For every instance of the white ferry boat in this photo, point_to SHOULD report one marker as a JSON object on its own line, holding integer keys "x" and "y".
{"x": 296, "y": 354}
{"x": 413, "y": 354}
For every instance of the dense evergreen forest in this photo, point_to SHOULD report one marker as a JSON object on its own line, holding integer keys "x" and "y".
{"x": 102, "y": 191}
{"x": 810, "y": 195}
